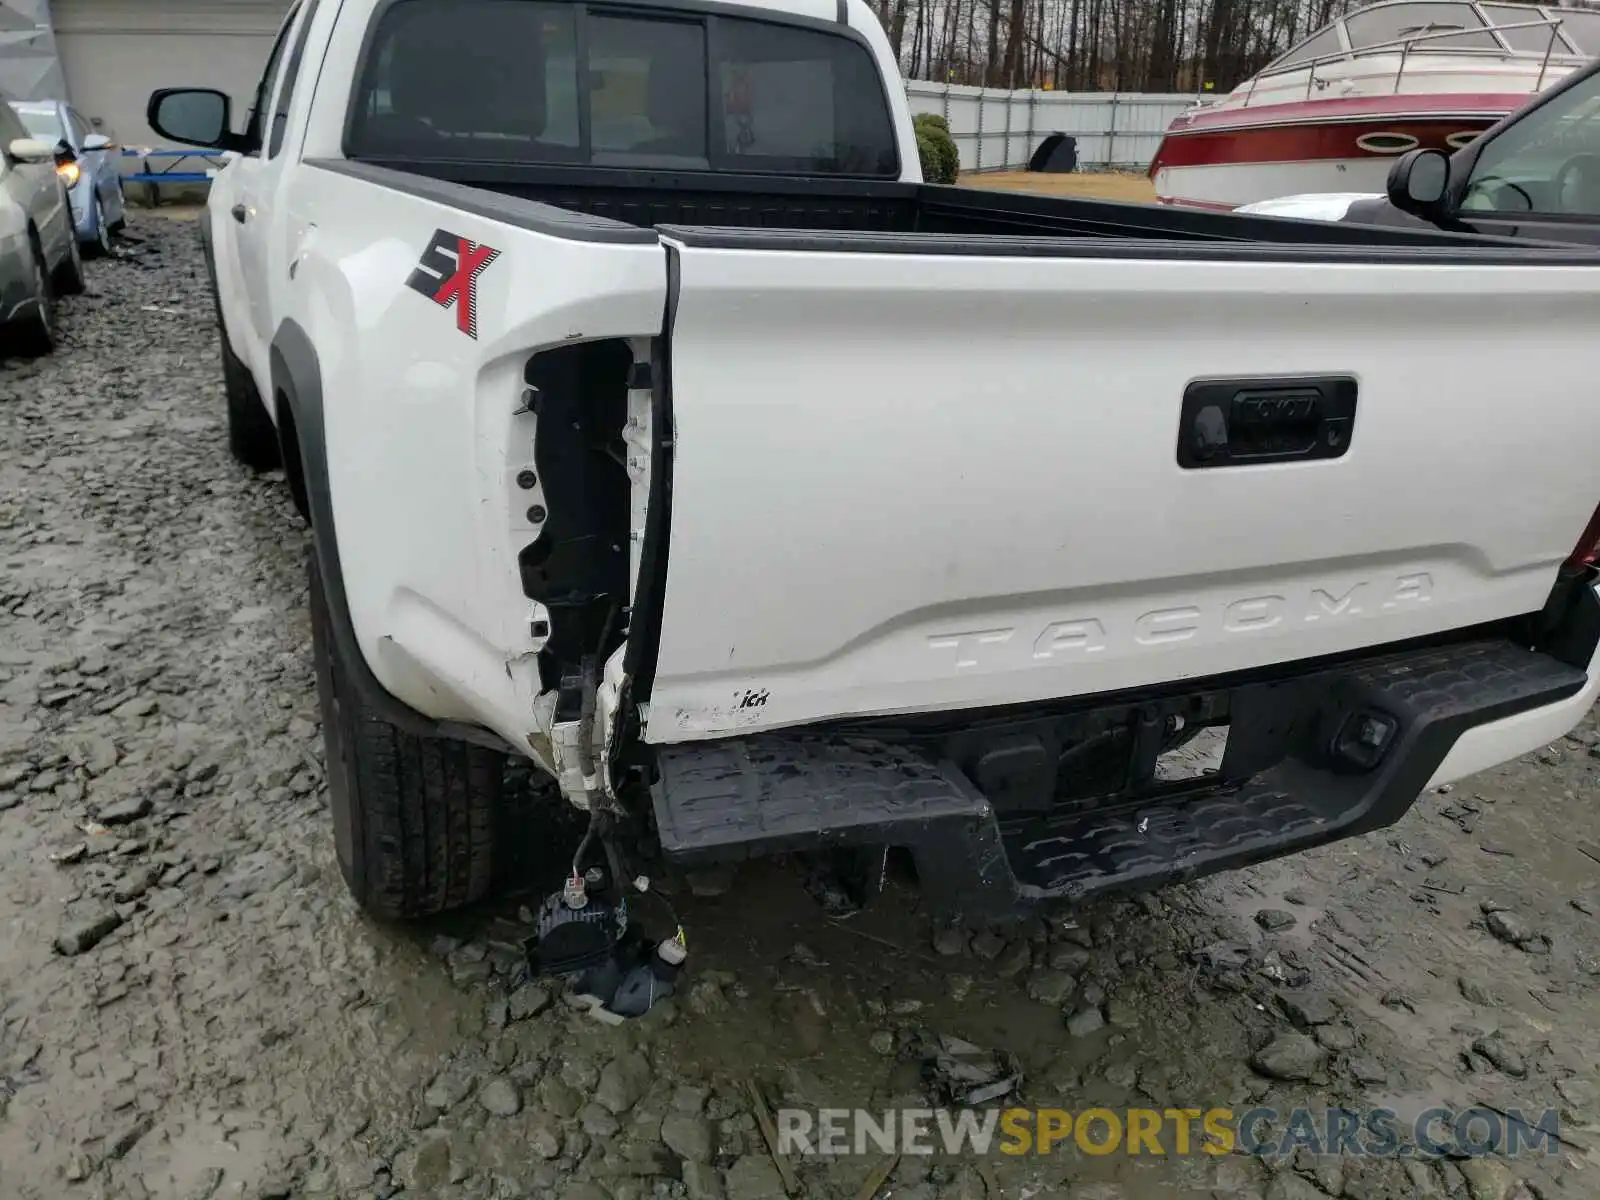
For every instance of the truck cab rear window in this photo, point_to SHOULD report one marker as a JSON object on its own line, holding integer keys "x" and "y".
{"x": 560, "y": 83}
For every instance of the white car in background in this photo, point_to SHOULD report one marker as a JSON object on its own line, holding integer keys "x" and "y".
{"x": 1309, "y": 206}
{"x": 39, "y": 258}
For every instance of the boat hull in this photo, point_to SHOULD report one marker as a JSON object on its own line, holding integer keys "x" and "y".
{"x": 1209, "y": 164}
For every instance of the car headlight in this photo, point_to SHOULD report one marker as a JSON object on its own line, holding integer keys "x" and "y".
{"x": 70, "y": 173}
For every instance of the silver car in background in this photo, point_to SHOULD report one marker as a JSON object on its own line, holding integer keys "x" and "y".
{"x": 93, "y": 177}
{"x": 39, "y": 258}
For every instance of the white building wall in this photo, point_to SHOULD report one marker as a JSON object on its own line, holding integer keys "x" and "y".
{"x": 116, "y": 52}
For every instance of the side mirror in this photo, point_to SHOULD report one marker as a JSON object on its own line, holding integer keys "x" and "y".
{"x": 31, "y": 150}
{"x": 194, "y": 116}
{"x": 96, "y": 141}
{"x": 1417, "y": 182}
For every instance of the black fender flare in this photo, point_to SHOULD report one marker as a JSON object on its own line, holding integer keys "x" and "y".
{"x": 208, "y": 251}
{"x": 297, "y": 386}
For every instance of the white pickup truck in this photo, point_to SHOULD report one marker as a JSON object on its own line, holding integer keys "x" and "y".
{"x": 655, "y": 422}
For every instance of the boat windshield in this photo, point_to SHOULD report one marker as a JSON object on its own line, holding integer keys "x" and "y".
{"x": 1533, "y": 38}
{"x": 1318, "y": 45}
{"x": 1451, "y": 26}
{"x": 1582, "y": 29}
{"x": 1432, "y": 23}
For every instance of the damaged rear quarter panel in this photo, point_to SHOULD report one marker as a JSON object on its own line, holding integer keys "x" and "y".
{"x": 421, "y": 432}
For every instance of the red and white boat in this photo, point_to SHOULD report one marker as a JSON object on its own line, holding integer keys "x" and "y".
{"x": 1332, "y": 113}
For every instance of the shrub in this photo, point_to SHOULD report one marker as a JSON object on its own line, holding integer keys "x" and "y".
{"x": 928, "y": 152}
{"x": 937, "y": 149}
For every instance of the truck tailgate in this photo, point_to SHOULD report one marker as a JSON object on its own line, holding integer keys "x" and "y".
{"x": 909, "y": 481}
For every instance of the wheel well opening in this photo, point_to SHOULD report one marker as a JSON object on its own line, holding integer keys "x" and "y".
{"x": 289, "y": 449}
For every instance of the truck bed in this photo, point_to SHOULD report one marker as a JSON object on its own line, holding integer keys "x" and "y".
{"x": 649, "y": 199}
{"x": 931, "y": 449}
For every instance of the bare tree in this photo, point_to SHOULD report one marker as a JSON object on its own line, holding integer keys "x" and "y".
{"x": 1099, "y": 45}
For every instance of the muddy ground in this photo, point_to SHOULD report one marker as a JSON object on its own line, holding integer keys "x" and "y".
{"x": 239, "y": 1030}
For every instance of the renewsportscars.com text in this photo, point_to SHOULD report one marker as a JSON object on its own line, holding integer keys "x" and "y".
{"x": 1264, "y": 1132}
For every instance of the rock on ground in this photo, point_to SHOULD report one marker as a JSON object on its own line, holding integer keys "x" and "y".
{"x": 1289, "y": 1056}
{"x": 500, "y": 1097}
{"x": 1085, "y": 1021}
{"x": 1487, "y": 1178}
{"x": 529, "y": 1000}
{"x": 1050, "y": 986}
{"x": 687, "y": 1137}
{"x": 754, "y": 1177}
{"x": 622, "y": 1082}
{"x": 84, "y": 935}
{"x": 1288, "y": 1186}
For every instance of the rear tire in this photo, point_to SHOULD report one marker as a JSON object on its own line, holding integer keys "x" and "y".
{"x": 69, "y": 275}
{"x": 252, "y": 437}
{"x": 413, "y": 817}
{"x": 34, "y": 333}
{"x": 102, "y": 231}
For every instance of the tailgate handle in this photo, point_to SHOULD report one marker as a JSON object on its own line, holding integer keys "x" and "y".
{"x": 1246, "y": 422}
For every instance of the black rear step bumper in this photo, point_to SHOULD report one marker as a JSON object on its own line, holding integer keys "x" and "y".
{"x": 1291, "y": 780}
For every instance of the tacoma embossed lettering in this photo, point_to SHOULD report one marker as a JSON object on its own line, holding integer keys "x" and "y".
{"x": 1085, "y": 636}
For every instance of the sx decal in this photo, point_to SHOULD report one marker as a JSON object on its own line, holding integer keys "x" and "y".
{"x": 448, "y": 274}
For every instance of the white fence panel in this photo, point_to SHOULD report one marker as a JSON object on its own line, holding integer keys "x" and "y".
{"x": 995, "y": 129}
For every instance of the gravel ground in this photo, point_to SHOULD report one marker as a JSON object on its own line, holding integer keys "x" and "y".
{"x": 190, "y": 1006}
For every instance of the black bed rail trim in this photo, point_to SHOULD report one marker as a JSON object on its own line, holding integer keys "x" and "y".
{"x": 1082, "y": 214}
{"x": 484, "y": 174}
{"x": 1477, "y": 252}
{"x": 493, "y": 206}
{"x": 649, "y": 602}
